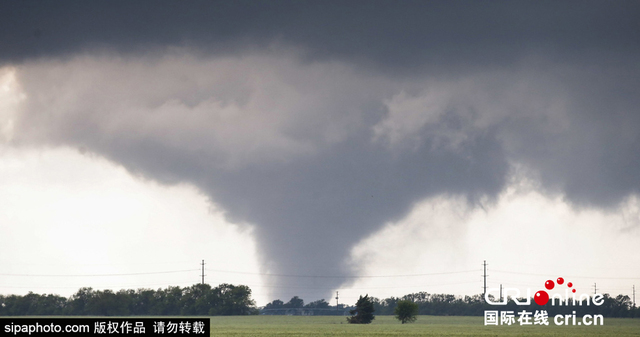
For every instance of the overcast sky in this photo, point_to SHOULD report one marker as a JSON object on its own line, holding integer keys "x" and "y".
{"x": 303, "y": 148}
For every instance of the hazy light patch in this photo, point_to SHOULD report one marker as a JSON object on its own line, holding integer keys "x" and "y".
{"x": 449, "y": 112}
{"x": 408, "y": 115}
{"x": 546, "y": 236}
{"x": 64, "y": 213}
{"x": 10, "y": 97}
{"x": 526, "y": 238}
{"x": 429, "y": 241}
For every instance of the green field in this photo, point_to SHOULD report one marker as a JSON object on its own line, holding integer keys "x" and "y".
{"x": 389, "y": 326}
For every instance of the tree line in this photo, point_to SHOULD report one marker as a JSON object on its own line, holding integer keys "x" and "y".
{"x": 228, "y": 299}
{"x": 296, "y": 306}
{"x": 451, "y": 305}
{"x": 196, "y": 300}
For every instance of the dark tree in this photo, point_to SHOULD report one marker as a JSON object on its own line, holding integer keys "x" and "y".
{"x": 320, "y": 304}
{"x": 276, "y": 304}
{"x": 295, "y": 302}
{"x": 406, "y": 311}
{"x": 232, "y": 300}
{"x": 363, "y": 313}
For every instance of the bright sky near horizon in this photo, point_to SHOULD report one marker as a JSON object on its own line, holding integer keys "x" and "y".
{"x": 391, "y": 151}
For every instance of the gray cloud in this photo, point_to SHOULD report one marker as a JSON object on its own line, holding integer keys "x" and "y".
{"x": 383, "y": 34}
{"x": 320, "y": 123}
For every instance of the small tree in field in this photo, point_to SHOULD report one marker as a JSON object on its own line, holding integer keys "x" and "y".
{"x": 406, "y": 311}
{"x": 363, "y": 313}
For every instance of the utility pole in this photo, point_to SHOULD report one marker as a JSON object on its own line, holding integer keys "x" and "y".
{"x": 202, "y": 271}
{"x": 484, "y": 293}
{"x": 634, "y": 295}
{"x": 337, "y": 302}
{"x": 595, "y": 290}
{"x": 500, "y": 292}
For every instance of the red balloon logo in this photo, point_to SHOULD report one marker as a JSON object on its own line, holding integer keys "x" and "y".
{"x": 541, "y": 297}
{"x": 549, "y": 284}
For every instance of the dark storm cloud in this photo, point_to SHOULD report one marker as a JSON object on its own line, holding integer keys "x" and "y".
{"x": 593, "y": 157}
{"x": 321, "y": 121}
{"x": 384, "y": 33}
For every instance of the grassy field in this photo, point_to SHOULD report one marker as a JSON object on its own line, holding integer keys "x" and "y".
{"x": 389, "y": 326}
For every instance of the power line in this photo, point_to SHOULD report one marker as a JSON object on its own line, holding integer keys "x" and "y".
{"x": 592, "y": 277}
{"x": 19, "y": 263}
{"x": 537, "y": 284}
{"x": 359, "y": 288}
{"x": 484, "y": 293}
{"x": 101, "y": 275}
{"x": 202, "y": 271}
{"x": 251, "y": 285}
{"x": 342, "y": 277}
{"x": 545, "y": 266}
{"x": 97, "y": 286}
